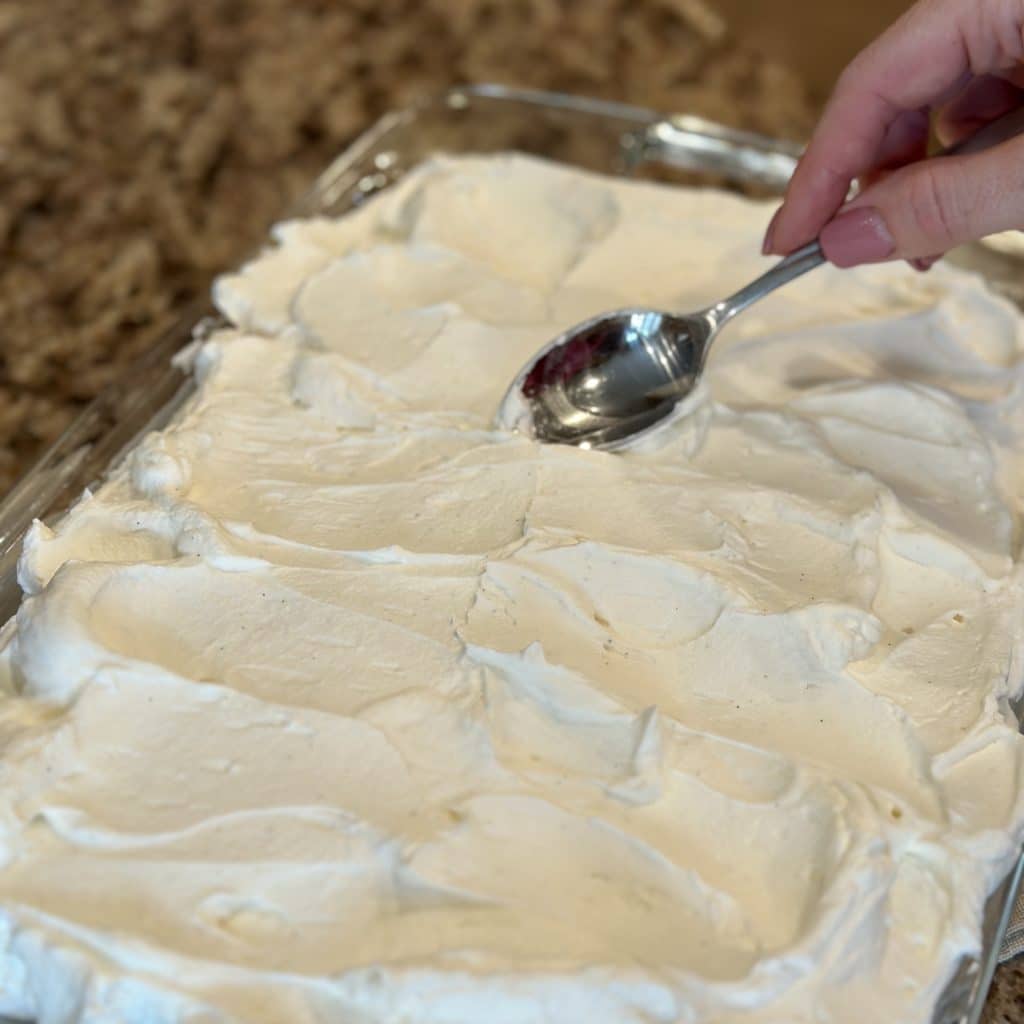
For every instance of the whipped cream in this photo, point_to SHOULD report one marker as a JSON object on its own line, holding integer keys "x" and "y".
{"x": 336, "y": 703}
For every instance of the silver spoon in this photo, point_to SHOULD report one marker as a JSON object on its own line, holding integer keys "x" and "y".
{"x": 619, "y": 374}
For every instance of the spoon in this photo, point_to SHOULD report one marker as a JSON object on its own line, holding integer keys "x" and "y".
{"x": 617, "y": 375}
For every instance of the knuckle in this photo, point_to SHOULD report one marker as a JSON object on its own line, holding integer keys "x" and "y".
{"x": 831, "y": 176}
{"x": 850, "y": 76}
{"x": 854, "y": 78}
{"x": 933, "y": 207}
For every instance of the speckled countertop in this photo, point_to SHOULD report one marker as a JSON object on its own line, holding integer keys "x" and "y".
{"x": 144, "y": 146}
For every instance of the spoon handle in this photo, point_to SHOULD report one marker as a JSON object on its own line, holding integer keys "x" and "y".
{"x": 995, "y": 132}
{"x": 811, "y": 256}
{"x": 788, "y": 268}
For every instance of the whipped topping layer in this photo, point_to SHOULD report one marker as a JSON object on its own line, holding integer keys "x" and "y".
{"x": 337, "y": 704}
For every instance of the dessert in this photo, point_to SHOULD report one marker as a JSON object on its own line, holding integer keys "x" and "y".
{"x": 335, "y": 703}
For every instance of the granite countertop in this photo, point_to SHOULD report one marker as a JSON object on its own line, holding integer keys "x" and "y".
{"x": 146, "y": 146}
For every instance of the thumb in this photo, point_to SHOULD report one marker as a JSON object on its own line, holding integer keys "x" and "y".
{"x": 930, "y": 207}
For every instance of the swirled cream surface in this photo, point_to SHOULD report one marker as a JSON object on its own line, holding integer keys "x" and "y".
{"x": 337, "y": 704}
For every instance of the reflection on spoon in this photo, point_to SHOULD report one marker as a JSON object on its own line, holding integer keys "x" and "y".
{"x": 620, "y": 374}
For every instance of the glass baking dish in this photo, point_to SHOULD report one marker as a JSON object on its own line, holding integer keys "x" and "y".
{"x": 601, "y": 136}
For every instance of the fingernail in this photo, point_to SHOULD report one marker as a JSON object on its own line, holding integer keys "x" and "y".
{"x": 769, "y": 235}
{"x": 857, "y": 236}
{"x": 924, "y": 263}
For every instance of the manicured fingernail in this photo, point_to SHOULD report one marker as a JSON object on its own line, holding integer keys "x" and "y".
{"x": 924, "y": 263}
{"x": 857, "y": 236}
{"x": 769, "y": 235}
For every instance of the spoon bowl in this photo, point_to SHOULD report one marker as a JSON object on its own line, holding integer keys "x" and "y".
{"x": 609, "y": 378}
{"x": 620, "y": 374}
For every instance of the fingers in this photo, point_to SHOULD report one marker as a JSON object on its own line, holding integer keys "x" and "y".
{"x": 925, "y": 57}
{"x": 906, "y": 140}
{"x": 930, "y": 207}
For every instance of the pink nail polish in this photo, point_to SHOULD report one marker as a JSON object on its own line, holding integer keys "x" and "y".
{"x": 924, "y": 263}
{"x": 769, "y": 235}
{"x": 857, "y": 236}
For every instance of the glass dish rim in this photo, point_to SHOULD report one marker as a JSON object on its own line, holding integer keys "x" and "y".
{"x": 56, "y": 480}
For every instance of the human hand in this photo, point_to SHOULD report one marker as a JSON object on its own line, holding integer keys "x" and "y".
{"x": 959, "y": 60}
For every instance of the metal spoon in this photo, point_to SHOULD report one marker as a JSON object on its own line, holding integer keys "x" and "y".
{"x": 619, "y": 374}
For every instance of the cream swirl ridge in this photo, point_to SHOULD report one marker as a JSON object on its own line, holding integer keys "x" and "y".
{"x": 335, "y": 702}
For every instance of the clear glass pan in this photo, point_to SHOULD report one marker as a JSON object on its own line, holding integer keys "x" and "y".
{"x": 607, "y": 137}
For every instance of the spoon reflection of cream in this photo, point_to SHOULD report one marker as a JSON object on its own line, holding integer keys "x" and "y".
{"x": 334, "y": 703}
